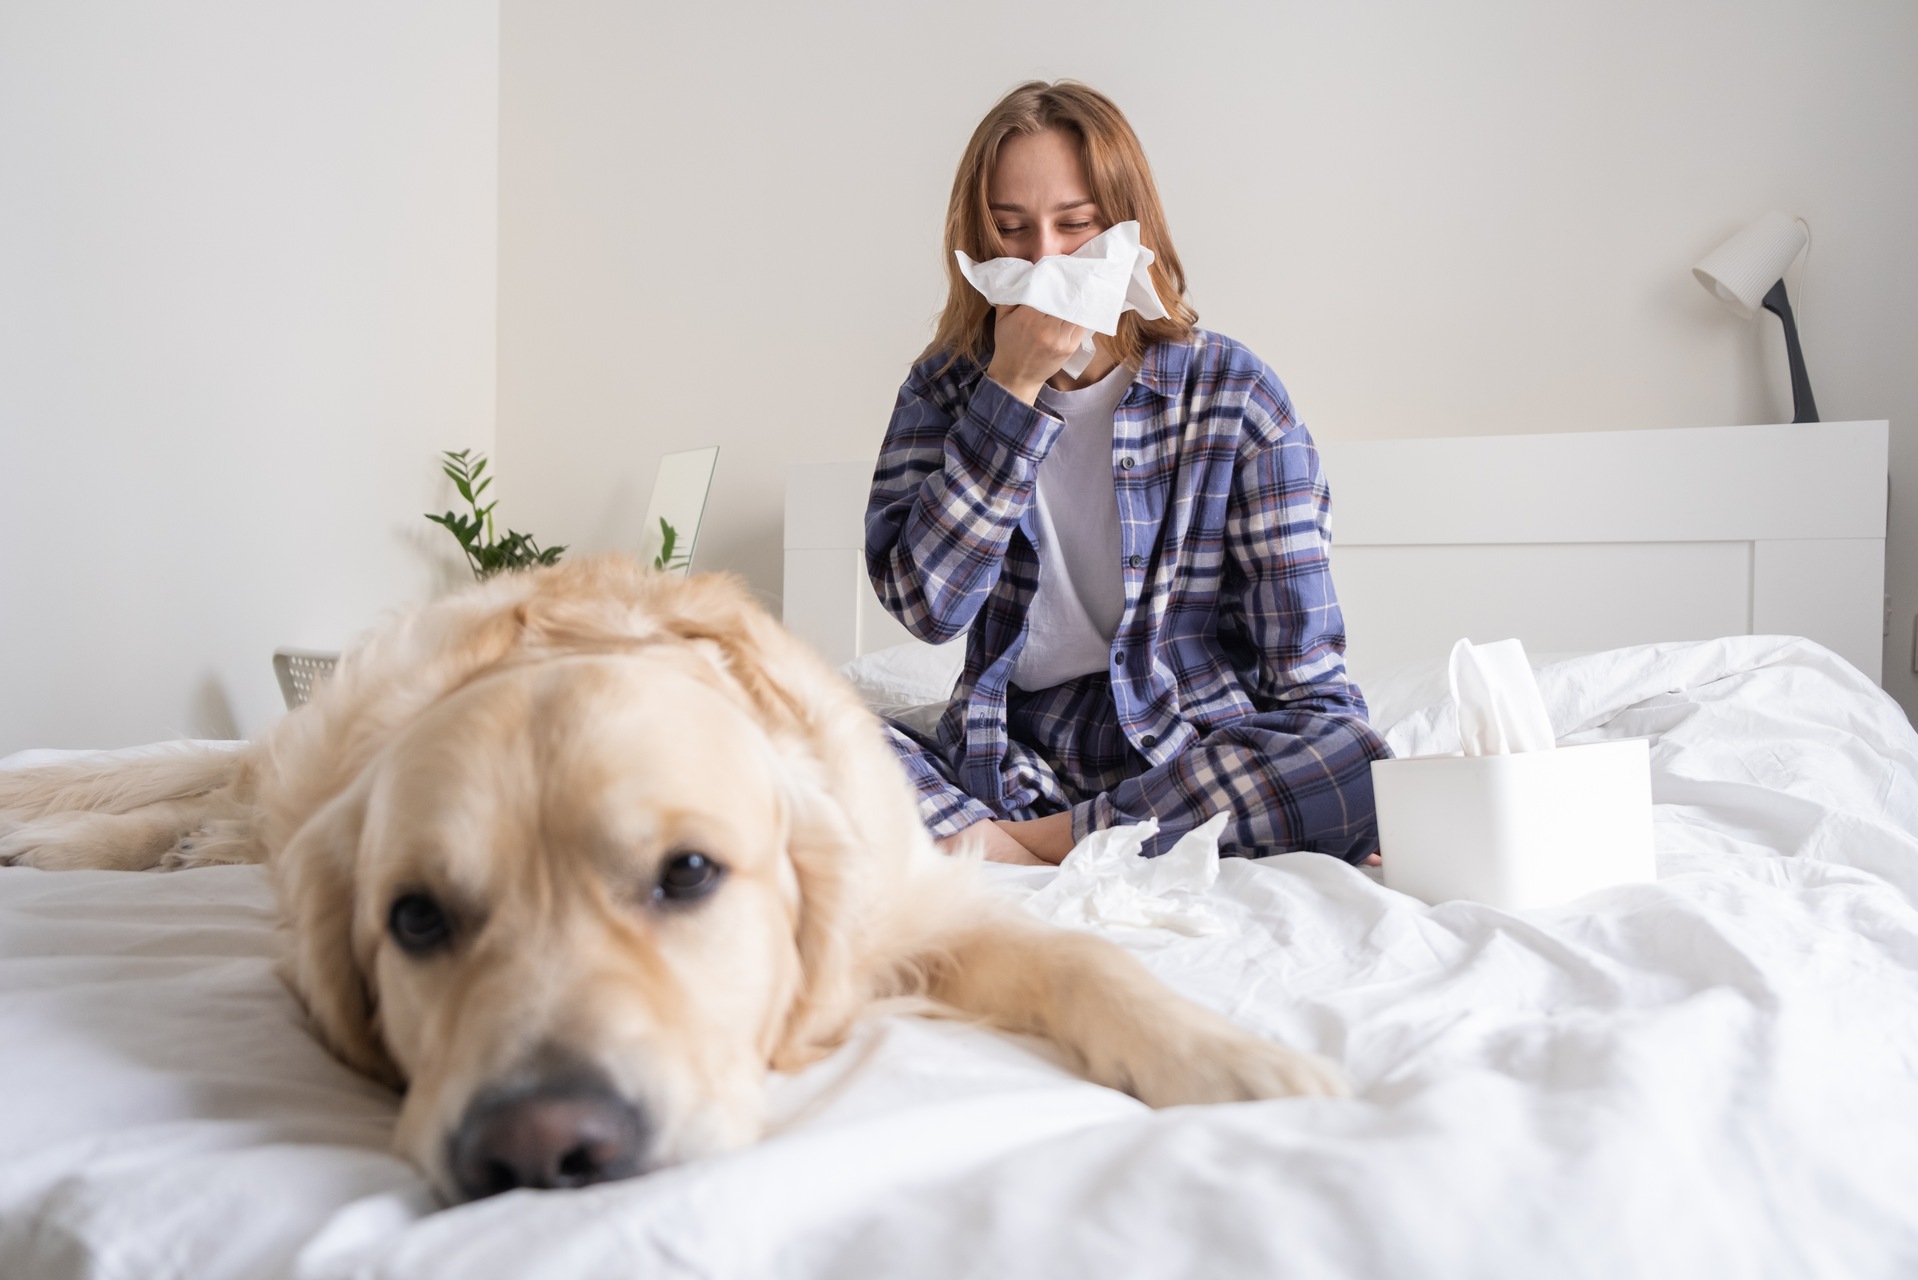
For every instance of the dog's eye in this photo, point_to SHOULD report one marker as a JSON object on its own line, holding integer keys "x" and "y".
{"x": 688, "y": 876}
{"x": 418, "y": 924}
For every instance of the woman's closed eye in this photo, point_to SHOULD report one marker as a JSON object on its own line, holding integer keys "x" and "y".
{"x": 1017, "y": 234}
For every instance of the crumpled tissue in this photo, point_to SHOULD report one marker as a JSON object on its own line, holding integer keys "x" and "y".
{"x": 1500, "y": 709}
{"x": 1105, "y": 882}
{"x": 1093, "y": 286}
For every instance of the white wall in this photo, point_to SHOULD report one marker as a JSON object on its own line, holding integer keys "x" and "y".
{"x": 252, "y": 259}
{"x": 720, "y": 224}
{"x": 247, "y": 290}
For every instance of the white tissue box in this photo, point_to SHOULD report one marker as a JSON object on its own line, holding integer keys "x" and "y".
{"x": 1529, "y": 829}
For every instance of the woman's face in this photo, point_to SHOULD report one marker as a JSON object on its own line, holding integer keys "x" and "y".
{"x": 1039, "y": 197}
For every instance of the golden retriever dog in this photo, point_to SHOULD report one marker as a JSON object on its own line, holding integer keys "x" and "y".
{"x": 578, "y": 856}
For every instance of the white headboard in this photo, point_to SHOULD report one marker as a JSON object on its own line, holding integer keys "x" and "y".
{"x": 1570, "y": 541}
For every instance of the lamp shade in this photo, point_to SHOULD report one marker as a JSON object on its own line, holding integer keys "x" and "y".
{"x": 1751, "y": 262}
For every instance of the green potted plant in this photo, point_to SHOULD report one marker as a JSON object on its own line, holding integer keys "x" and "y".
{"x": 486, "y": 553}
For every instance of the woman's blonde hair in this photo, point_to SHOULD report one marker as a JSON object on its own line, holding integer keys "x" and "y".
{"x": 1121, "y": 183}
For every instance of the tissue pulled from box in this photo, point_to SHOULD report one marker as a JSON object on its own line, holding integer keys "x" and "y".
{"x": 1103, "y": 279}
{"x": 1500, "y": 710}
{"x": 1105, "y": 882}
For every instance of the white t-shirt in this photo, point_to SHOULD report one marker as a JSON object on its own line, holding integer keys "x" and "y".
{"x": 1081, "y": 596}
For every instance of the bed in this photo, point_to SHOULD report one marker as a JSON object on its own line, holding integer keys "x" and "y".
{"x": 1715, "y": 1074}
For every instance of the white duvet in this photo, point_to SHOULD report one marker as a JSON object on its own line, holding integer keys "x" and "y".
{"x": 1716, "y": 1075}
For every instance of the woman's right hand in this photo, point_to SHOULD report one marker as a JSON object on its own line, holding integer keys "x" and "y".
{"x": 1028, "y": 347}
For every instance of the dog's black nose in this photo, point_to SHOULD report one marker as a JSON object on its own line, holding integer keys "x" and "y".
{"x": 565, "y": 1133}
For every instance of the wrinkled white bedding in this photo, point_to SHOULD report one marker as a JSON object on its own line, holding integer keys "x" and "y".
{"x": 1713, "y": 1075}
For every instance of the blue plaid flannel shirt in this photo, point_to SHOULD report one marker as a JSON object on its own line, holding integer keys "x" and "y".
{"x": 1227, "y": 686}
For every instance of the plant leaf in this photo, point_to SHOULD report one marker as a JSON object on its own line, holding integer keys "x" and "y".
{"x": 486, "y": 555}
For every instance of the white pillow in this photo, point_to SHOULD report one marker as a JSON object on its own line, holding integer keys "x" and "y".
{"x": 909, "y": 682}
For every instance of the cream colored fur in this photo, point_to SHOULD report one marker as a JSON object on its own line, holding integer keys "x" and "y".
{"x": 532, "y": 752}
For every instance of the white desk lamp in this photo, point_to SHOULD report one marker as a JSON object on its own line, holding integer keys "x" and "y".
{"x": 1748, "y": 272}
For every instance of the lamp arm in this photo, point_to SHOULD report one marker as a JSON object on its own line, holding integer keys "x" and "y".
{"x": 1803, "y": 409}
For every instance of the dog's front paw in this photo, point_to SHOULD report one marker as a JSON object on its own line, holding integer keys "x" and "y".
{"x": 1222, "y": 1063}
{"x": 1260, "y": 1069}
{"x": 88, "y": 842}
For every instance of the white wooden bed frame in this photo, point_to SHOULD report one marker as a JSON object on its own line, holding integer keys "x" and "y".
{"x": 1569, "y": 541}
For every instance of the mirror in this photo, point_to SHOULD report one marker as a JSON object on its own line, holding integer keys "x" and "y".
{"x": 679, "y": 499}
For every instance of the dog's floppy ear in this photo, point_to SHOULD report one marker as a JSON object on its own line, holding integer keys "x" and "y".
{"x": 314, "y": 875}
{"x": 855, "y": 827}
{"x": 833, "y": 990}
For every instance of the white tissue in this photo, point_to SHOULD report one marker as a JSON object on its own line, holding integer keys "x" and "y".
{"x": 1095, "y": 285}
{"x": 1104, "y": 881}
{"x": 1500, "y": 710}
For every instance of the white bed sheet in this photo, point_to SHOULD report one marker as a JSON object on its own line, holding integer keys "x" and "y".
{"x": 1713, "y": 1075}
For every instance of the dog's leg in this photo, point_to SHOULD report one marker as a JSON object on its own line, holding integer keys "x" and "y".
{"x": 1125, "y": 1028}
{"x": 172, "y": 835}
{"x": 134, "y": 841}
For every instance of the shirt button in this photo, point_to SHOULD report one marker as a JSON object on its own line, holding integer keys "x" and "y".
{"x": 1150, "y": 741}
{"x": 1118, "y": 658}
{"x": 1125, "y": 464}
{"x": 1134, "y": 562}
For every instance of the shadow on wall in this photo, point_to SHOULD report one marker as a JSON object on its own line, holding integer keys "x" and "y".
{"x": 210, "y": 712}
{"x": 429, "y": 545}
{"x": 755, "y": 552}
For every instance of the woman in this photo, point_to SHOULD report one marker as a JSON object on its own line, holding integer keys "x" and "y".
{"x": 1138, "y": 556}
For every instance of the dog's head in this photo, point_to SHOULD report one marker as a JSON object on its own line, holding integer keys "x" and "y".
{"x": 583, "y": 901}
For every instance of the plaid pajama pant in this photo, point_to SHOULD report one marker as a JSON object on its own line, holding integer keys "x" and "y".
{"x": 1292, "y": 779}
